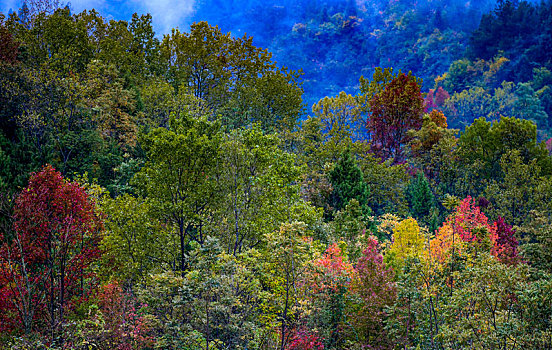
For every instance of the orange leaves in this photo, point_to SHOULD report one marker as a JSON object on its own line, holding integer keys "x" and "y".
{"x": 468, "y": 231}
{"x": 332, "y": 271}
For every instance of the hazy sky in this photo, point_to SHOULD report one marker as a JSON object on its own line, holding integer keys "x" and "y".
{"x": 167, "y": 14}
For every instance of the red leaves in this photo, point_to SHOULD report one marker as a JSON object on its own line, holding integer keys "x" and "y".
{"x": 471, "y": 225}
{"x": 304, "y": 340}
{"x": 333, "y": 271}
{"x": 467, "y": 219}
{"x": 375, "y": 287}
{"x": 505, "y": 245}
{"x": 126, "y": 327}
{"x": 9, "y": 48}
{"x": 394, "y": 111}
{"x": 45, "y": 265}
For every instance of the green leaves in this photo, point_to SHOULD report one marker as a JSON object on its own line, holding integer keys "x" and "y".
{"x": 136, "y": 243}
{"x": 237, "y": 80}
{"x": 348, "y": 183}
{"x": 179, "y": 176}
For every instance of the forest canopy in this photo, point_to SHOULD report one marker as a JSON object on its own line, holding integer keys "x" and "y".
{"x": 186, "y": 190}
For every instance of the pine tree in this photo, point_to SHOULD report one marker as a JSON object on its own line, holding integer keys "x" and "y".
{"x": 420, "y": 197}
{"x": 348, "y": 183}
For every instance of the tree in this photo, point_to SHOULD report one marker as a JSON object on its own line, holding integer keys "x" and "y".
{"x": 329, "y": 286}
{"x": 216, "y": 304}
{"x": 46, "y": 265}
{"x": 348, "y": 183}
{"x": 432, "y": 149}
{"x": 236, "y": 79}
{"x": 375, "y": 287}
{"x": 135, "y": 243}
{"x": 483, "y": 144}
{"x": 394, "y": 111}
{"x": 58, "y": 39}
{"x": 350, "y": 225}
{"x": 484, "y": 305}
{"x": 9, "y": 47}
{"x": 464, "y": 107}
{"x": 179, "y": 176}
{"x": 408, "y": 242}
{"x": 506, "y": 244}
{"x": 321, "y": 141}
{"x": 340, "y": 117}
{"x": 285, "y": 263}
{"x": 420, "y": 197}
{"x": 109, "y": 103}
{"x": 259, "y": 190}
{"x": 521, "y": 189}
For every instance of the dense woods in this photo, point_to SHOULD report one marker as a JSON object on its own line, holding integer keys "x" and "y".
{"x": 180, "y": 191}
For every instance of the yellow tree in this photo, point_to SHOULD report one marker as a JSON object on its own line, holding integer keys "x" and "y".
{"x": 408, "y": 242}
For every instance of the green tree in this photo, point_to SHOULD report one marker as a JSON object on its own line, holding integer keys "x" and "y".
{"x": 136, "y": 244}
{"x": 350, "y": 225}
{"x": 420, "y": 197}
{"x": 215, "y": 305}
{"x": 348, "y": 183}
{"x": 483, "y": 144}
{"x": 237, "y": 80}
{"x": 285, "y": 263}
{"x": 432, "y": 149}
{"x": 259, "y": 188}
{"x": 179, "y": 176}
{"x": 340, "y": 117}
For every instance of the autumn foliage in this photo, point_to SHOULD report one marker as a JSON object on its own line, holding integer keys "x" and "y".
{"x": 45, "y": 264}
{"x": 375, "y": 287}
{"x": 468, "y": 229}
{"x": 394, "y": 111}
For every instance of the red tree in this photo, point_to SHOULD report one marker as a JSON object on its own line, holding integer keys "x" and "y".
{"x": 9, "y": 48}
{"x": 468, "y": 222}
{"x": 394, "y": 111}
{"x": 471, "y": 225}
{"x": 441, "y": 96}
{"x": 304, "y": 340}
{"x": 506, "y": 244}
{"x": 374, "y": 284}
{"x": 429, "y": 101}
{"x": 118, "y": 323}
{"x": 45, "y": 264}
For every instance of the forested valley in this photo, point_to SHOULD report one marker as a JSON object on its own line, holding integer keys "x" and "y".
{"x": 380, "y": 179}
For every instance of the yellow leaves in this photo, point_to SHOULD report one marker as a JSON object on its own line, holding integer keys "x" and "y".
{"x": 407, "y": 242}
{"x": 387, "y": 224}
{"x": 407, "y": 239}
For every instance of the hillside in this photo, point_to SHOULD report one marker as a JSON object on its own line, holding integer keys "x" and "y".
{"x": 348, "y": 175}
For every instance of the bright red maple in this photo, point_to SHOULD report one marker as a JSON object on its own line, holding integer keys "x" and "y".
{"x": 304, "y": 340}
{"x": 45, "y": 265}
{"x": 469, "y": 220}
{"x": 333, "y": 271}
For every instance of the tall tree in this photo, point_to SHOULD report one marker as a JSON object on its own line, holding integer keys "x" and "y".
{"x": 348, "y": 183}
{"x": 46, "y": 265}
{"x": 179, "y": 176}
{"x": 420, "y": 197}
{"x": 377, "y": 290}
{"x": 236, "y": 79}
{"x": 394, "y": 111}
